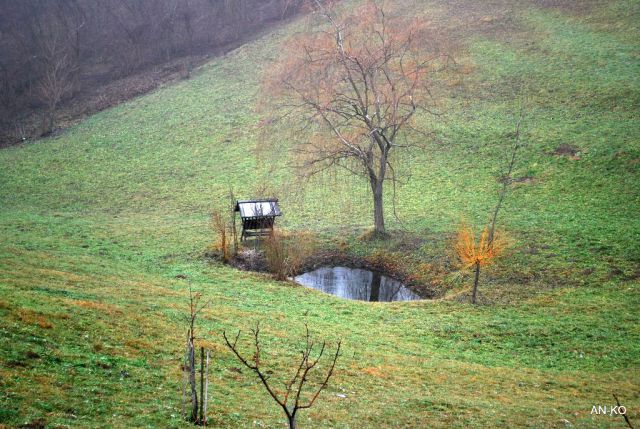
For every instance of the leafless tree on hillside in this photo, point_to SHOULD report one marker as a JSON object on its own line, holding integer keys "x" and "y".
{"x": 358, "y": 84}
{"x": 292, "y": 399}
{"x": 57, "y": 80}
{"x": 197, "y": 414}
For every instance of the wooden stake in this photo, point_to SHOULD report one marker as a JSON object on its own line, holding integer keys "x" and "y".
{"x": 206, "y": 391}
{"x": 201, "y": 384}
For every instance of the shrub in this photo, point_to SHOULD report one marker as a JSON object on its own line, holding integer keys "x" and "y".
{"x": 225, "y": 233}
{"x": 219, "y": 227}
{"x": 286, "y": 253}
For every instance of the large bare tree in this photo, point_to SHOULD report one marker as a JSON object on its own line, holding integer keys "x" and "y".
{"x": 358, "y": 83}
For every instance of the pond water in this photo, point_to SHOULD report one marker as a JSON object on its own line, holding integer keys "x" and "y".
{"x": 355, "y": 283}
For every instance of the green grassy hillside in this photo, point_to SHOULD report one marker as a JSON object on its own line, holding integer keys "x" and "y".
{"x": 97, "y": 223}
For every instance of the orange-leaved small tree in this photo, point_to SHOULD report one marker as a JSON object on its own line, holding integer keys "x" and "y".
{"x": 477, "y": 254}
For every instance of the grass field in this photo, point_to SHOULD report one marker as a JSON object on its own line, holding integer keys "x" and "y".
{"x": 97, "y": 223}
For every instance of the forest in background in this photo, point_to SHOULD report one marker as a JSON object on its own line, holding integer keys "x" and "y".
{"x": 59, "y": 59}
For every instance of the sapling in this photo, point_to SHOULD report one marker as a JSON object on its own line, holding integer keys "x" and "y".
{"x": 291, "y": 401}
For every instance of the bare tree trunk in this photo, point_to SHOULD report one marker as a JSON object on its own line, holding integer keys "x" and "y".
{"x": 185, "y": 377}
{"x": 47, "y": 121}
{"x": 475, "y": 283}
{"x": 292, "y": 421}
{"x": 378, "y": 212}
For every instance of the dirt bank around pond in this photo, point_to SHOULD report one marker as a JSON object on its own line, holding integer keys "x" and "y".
{"x": 254, "y": 260}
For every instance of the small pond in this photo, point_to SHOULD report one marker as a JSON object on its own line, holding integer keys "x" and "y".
{"x": 355, "y": 283}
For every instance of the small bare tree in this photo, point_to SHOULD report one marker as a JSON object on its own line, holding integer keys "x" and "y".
{"x": 223, "y": 224}
{"x": 219, "y": 226}
{"x": 198, "y": 408}
{"x": 289, "y": 7}
{"x": 506, "y": 178}
{"x": 491, "y": 244}
{"x": 359, "y": 84}
{"x": 58, "y": 79}
{"x": 292, "y": 400}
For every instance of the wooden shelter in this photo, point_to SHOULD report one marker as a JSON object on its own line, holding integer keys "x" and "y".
{"x": 258, "y": 216}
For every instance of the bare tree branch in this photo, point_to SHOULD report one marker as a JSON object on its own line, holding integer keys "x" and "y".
{"x": 626, "y": 418}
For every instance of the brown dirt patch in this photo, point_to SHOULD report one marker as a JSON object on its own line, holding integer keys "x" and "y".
{"x": 522, "y": 180}
{"x": 64, "y": 274}
{"x": 92, "y": 305}
{"x": 384, "y": 371}
{"x": 39, "y": 423}
{"x": 137, "y": 344}
{"x": 31, "y": 355}
{"x": 31, "y": 317}
{"x": 568, "y": 151}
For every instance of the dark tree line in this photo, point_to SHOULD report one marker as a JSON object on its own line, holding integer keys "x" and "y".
{"x": 50, "y": 51}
